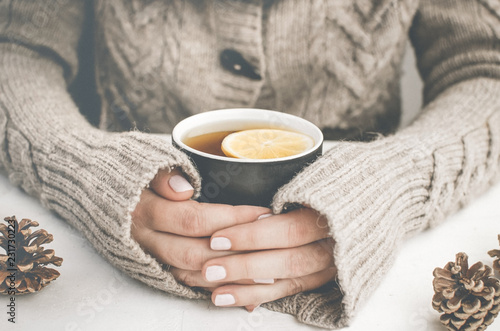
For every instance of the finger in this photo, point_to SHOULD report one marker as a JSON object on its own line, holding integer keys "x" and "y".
{"x": 191, "y": 218}
{"x": 250, "y": 308}
{"x": 271, "y": 264}
{"x": 172, "y": 185}
{"x": 194, "y": 278}
{"x": 181, "y": 252}
{"x": 293, "y": 229}
{"x": 253, "y": 295}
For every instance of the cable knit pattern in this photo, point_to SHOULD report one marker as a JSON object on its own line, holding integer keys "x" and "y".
{"x": 336, "y": 63}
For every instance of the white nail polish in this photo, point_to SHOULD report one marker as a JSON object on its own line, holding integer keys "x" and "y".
{"x": 215, "y": 272}
{"x": 179, "y": 184}
{"x": 224, "y": 300}
{"x": 220, "y": 244}
{"x": 264, "y": 216}
{"x": 264, "y": 280}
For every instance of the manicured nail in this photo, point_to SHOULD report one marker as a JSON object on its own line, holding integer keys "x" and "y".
{"x": 179, "y": 184}
{"x": 215, "y": 272}
{"x": 224, "y": 300}
{"x": 264, "y": 280}
{"x": 220, "y": 244}
{"x": 264, "y": 216}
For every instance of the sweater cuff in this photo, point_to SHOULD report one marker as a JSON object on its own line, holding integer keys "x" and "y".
{"x": 373, "y": 195}
{"x": 96, "y": 187}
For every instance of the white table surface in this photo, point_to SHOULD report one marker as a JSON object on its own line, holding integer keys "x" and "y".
{"x": 90, "y": 294}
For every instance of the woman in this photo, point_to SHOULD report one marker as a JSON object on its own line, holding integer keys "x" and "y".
{"x": 335, "y": 63}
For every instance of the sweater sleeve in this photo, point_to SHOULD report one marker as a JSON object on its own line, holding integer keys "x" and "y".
{"x": 90, "y": 178}
{"x": 376, "y": 194}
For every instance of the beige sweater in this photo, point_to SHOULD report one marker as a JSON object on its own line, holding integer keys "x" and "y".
{"x": 336, "y": 63}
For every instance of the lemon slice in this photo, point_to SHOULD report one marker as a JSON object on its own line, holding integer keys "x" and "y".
{"x": 265, "y": 144}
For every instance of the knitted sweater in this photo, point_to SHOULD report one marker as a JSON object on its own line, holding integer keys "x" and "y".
{"x": 336, "y": 63}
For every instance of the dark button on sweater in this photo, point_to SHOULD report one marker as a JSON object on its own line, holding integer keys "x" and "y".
{"x": 234, "y": 62}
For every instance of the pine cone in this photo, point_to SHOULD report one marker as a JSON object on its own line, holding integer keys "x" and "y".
{"x": 468, "y": 297}
{"x": 22, "y": 269}
{"x": 496, "y": 253}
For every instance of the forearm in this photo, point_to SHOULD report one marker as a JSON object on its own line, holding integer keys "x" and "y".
{"x": 91, "y": 178}
{"x": 376, "y": 194}
{"x": 460, "y": 133}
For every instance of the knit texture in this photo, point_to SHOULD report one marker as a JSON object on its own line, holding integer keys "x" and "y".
{"x": 336, "y": 63}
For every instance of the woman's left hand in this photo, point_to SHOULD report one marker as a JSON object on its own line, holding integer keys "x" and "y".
{"x": 280, "y": 255}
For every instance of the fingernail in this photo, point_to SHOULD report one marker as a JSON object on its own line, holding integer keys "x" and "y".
{"x": 215, "y": 272}
{"x": 264, "y": 280}
{"x": 224, "y": 300}
{"x": 179, "y": 184}
{"x": 220, "y": 244}
{"x": 264, "y": 216}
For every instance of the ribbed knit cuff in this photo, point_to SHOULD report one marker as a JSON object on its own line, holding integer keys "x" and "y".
{"x": 367, "y": 191}
{"x": 95, "y": 187}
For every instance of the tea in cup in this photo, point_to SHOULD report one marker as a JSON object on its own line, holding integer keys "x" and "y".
{"x": 244, "y": 155}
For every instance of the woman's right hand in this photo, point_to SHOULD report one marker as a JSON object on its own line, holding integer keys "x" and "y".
{"x": 176, "y": 230}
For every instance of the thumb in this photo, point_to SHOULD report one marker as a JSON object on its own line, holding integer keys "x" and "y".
{"x": 172, "y": 185}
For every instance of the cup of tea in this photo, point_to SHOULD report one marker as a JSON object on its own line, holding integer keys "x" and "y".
{"x": 244, "y": 155}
